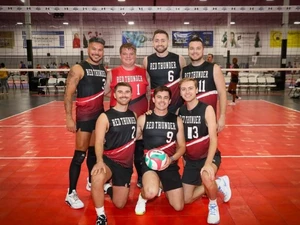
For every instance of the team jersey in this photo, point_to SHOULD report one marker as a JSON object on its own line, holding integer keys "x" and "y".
{"x": 195, "y": 131}
{"x": 165, "y": 71}
{"x": 160, "y": 132}
{"x": 138, "y": 80}
{"x": 90, "y": 92}
{"x": 120, "y": 138}
{"x": 206, "y": 85}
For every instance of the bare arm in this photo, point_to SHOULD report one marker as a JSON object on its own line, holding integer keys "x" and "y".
{"x": 221, "y": 88}
{"x": 182, "y": 63}
{"x": 148, "y": 93}
{"x": 107, "y": 89}
{"x": 210, "y": 119}
{"x": 145, "y": 62}
{"x": 75, "y": 75}
{"x": 140, "y": 126}
{"x": 180, "y": 139}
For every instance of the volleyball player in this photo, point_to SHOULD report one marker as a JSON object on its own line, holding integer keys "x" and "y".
{"x": 115, "y": 143}
{"x": 164, "y": 131}
{"x": 88, "y": 79}
{"x": 139, "y": 80}
{"x": 202, "y": 158}
{"x": 164, "y": 68}
{"x": 211, "y": 83}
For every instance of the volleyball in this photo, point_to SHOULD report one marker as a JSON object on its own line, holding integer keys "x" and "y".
{"x": 155, "y": 159}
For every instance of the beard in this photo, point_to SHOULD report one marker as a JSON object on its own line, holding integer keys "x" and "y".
{"x": 93, "y": 60}
{"x": 161, "y": 51}
{"x": 197, "y": 59}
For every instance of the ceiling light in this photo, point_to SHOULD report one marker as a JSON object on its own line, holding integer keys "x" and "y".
{"x": 297, "y": 22}
{"x": 203, "y": 0}
{"x": 23, "y": 1}
{"x": 121, "y": 0}
{"x": 131, "y": 23}
{"x": 19, "y": 23}
{"x": 232, "y": 22}
{"x": 65, "y": 23}
{"x": 186, "y": 23}
{"x": 270, "y": 0}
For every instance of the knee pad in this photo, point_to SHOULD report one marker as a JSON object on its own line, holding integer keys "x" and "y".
{"x": 91, "y": 151}
{"x": 78, "y": 157}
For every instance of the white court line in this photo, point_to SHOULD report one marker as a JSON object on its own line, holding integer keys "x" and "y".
{"x": 226, "y": 156}
{"x": 26, "y": 111}
{"x": 280, "y": 106}
{"x": 32, "y": 126}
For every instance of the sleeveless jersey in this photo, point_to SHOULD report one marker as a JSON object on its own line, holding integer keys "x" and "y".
{"x": 195, "y": 131}
{"x": 120, "y": 138}
{"x": 138, "y": 80}
{"x": 90, "y": 92}
{"x": 165, "y": 71}
{"x": 204, "y": 74}
{"x": 160, "y": 133}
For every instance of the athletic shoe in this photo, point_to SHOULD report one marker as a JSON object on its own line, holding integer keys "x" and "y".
{"x": 105, "y": 187}
{"x": 101, "y": 220}
{"x": 224, "y": 187}
{"x": 213, "y": 214}
{"x": 88, "y": 185}
{"x": 73, "y": 201}
{"x": 140, "y": 207}
{"x": 231, "y": 103}
{"x": 239, "y": 98}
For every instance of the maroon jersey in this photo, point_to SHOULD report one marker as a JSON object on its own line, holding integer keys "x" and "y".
{"x": 120, "y": 138}
{"x": 90, "y": 92}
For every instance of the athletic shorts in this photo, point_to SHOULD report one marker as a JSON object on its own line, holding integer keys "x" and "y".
{"x": 169, "y": 177}
{"x": 86, "y": 126}
{"x": 192, "y": 168}
{"x": 121, "y": 175}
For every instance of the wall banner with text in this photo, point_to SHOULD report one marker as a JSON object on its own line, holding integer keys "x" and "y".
{"x": 180, "y": 39}
{"x": 46, "y": 39}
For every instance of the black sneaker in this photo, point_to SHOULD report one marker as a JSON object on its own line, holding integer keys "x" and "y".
{"x": 101, "y": 220}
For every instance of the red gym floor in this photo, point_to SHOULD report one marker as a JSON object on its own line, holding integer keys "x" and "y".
{"x": 261, "y": 155}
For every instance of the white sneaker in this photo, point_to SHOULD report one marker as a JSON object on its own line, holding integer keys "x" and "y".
{"x": 231, "y": 103}
{"x": 213, "y": 214}
{"x": 88, "y": 185}
{"x": 140, "y": 207}
{"x": 224, "y": 187}
{"x": 73, "y": 201}
{"x": 106, "y": 186}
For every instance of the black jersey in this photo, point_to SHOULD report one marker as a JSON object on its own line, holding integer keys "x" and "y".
{"x": 120, "y": 138}
{"x": 204, "y": 74}
{"x": 90, "y": 92}
{"x": 160, "y": 132}
{"x": 195, "y": 131}
{"x": 165, "y": 71}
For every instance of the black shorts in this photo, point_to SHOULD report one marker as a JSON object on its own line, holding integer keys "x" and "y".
{"x": 86, "y": 126}
{"x": 121, "y": 175}
{"x": 169, "y": 177}
{"x": 192, "y": 168}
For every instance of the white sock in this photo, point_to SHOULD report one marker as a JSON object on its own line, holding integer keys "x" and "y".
{"x": 141, "y": 198}
{"x": 100, "y": 211}
{"x": 213, "y": 202}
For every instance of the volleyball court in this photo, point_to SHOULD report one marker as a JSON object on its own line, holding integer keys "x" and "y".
{"x": 261, "y": 155}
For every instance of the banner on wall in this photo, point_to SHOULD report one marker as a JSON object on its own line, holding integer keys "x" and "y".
{"x": 88, "y": 34}
{"x": 7, "y": 39}
{"x": 180, "y": 39}
{"x": 293, "y": 38}
{"x": 46, "y": 39}
{"x": 241, "y": 39}
{"x": 138, "y": 38}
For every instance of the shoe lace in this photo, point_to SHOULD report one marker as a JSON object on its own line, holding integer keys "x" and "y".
{"x": 220, "y": 187}
{"x": 212, "y": 209}
{"x": 75, "y": 196}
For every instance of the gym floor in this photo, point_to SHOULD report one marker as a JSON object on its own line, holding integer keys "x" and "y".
{"x": 260, "y": 149}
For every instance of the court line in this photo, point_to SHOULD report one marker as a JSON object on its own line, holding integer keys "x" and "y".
{"x": 228, "y": 156}
{"x": 28, "y": 110}
{"x": 272, "y": 103}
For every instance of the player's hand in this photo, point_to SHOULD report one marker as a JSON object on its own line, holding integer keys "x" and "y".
{"x": 167, "y": 164}
{"x": 71, "y": 125}
{"x": 221, "y": 124}
{"x": 209, "y": 169}
{"x": 149, "y": 112}
{"x": 98, "y": 168}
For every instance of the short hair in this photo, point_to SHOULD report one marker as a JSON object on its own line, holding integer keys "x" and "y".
{"x": 186, "y": 79}
{"x": 212, "y": 55}
{"x": 97, "y": 40}
{"x": 127, "y": 46}
{"x": 159, "y": 31}
{"x": 234, "y": 60}
{"x": 196, "y": 39}
{"x": 161, "y": 89}
{"x": 2, "y": 65}
{"x": 122, "y": 84}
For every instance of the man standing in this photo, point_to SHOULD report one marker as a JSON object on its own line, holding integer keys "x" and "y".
{"x": 211, "y": 83}
{"x": 164, "y": 68}
{"x": 164, "y": 131}
{"x": 88, "y": 78}
{"x": 210, "y": 58}
{"x": 202, "y": 158}
{"x": 115, "y": 142}
{"x": 139, "y": 80}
